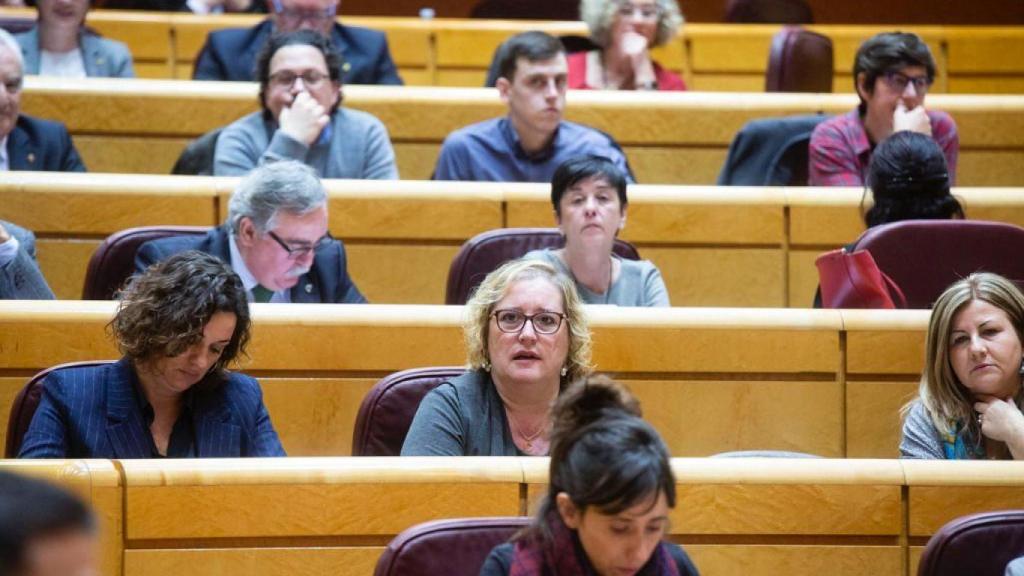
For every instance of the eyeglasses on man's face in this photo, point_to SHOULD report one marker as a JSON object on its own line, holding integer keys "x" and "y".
{"x": 644, "y": 11}
{"x": 513, "y": 321}
{"x": 898, "y": 81}
{"x": 285, "y": 79}
{"x": 296, "y": 252}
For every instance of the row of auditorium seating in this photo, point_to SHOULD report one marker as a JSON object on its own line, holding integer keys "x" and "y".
{"x": 714, "y": 246}
{"x": 141, "y": 126}
{"x": 334, "y": 516}
{"x": 824, "y": 382}
{"x": 453, "y": 52}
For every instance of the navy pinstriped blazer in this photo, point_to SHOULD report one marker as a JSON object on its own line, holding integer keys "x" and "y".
{"x": 92, "y": 412}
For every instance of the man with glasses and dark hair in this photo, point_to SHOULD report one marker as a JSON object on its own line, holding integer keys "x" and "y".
{"x": 300, "y": 92}
{"x": 230, "y": 54}
{"x": 28, "y": 143}
{"x": 275, "y": 238}
{"x": 892, "y": 74}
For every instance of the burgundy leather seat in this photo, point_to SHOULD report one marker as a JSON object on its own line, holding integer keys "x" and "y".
{"x": 27, "y": 401}
{"x": 451, "y": 547}
{"x": 925, "y": 256}
{"x": 113, "y": 262}
{"x": 485, "y": 252}
{"x": 799, "y": 61}
{"x": 387, "y": 410}
{"x": 979, "y": 545}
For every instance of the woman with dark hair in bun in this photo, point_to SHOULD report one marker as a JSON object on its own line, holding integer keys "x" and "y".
{"x": 909, "y": 180}
{"x": 609, "y": 495}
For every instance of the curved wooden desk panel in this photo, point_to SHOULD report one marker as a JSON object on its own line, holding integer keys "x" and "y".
{"x": 140, "y": 126}
{"x": 762, "y": 517}
{"x": 825, "y": 382}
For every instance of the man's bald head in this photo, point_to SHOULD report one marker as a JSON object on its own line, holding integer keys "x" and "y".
{"x": 10, "y": 83}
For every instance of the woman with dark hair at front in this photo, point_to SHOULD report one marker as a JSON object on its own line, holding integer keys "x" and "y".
{"x": 588, "y": 195}
{"x": 179, "y": 325}
{"x": 610, "y": 490}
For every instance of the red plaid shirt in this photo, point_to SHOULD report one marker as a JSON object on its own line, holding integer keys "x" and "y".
{"x": 840, "y": 152}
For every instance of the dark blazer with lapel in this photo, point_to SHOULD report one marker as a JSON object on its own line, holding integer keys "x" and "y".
{"x": 21, "y": 278}
{"x": 92, "y": 412}
{"x": 326, "y": 282}
{"x": 41, "y": 145}
{"x": 230, "y": 54}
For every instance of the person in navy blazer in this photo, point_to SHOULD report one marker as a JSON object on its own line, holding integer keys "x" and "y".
{"x": 31, "y": 143}
{"x": 230, "y": 54}
{"x": 275, "y": 238}
{"x": 20, "y": 277}
{"x": 178, "y": 325}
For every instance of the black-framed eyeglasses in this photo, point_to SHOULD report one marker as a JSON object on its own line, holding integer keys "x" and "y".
{"x": 513, "y": 321}
{"x": 296, "y": 252}
{"x": 898, "y": 81}
{"x": 310, "y": 78}
{"x": 646, "y": 11}
{"x": 294, "y": 15}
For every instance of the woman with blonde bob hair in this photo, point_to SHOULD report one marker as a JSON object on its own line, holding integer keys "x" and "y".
{"x": 625, "y": 31}
{"x": 970, "y": 393}
{"x": 526, "y": 339}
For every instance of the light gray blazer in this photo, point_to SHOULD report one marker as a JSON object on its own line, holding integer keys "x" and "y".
{"x": 21, "y": 278}
{"x": 102, "y": 57}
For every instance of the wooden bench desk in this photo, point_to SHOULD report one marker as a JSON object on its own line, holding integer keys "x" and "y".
{"x": 711, "y": 380}
{"x": 141, "y": 126}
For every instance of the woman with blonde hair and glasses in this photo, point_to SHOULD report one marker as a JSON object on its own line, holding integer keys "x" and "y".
{"x": 970, "y": 394}
{"x": 526, "y": 338}
{"x": 625, "y": 31}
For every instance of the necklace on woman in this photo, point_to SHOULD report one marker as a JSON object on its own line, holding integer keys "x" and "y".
{"x": 528, "y": 439}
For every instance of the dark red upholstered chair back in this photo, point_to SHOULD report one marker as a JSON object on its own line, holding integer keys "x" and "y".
{"x": 979, "y": 545}
{"x": 485, "y": 252}
{"x": 768, "y": 12}
{"x": 455, "y": 547}
{"x": 925, "y": 256}
{"x": 17, "y": 24}
{"x": 25, "y": 403}
{"x": 113, "y": 262}
{"x": 387, "y": 410}
{"x": 799, "y": 61}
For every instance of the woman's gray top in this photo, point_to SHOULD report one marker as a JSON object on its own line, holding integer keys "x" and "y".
{"x": 639, "y": 282}
{"x": 920, "y": 438}
{"x": 461, "y": 417}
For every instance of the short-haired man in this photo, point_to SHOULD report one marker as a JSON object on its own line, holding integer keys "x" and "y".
{"x": 28, "y": 143}
{"x": 531, "y": 142}
{"x": 300, "y": 93}
{"x": 20, "y": 278}
{"x": 44, "y": 530}
{"x": 892, "y": 73}
{"x": 230, "y": 54}
{"x": 275, "y": 238}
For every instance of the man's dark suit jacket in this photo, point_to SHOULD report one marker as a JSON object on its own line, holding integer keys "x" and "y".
{"x": 326, "y": 282}
{"x": 41, "y": 145}
{"x": 230, "y": 54}
{"x": 93, "y": 412}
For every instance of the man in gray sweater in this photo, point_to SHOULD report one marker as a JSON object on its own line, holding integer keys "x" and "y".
{"x": 300, "y": 92}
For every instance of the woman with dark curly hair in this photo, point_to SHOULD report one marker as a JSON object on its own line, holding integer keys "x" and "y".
{"x": 178, "y": 325}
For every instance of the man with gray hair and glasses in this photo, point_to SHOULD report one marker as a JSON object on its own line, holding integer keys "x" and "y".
{"x": 275, "y": 238}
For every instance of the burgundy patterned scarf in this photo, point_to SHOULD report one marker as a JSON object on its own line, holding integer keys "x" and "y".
{"x": 559, "y": 557}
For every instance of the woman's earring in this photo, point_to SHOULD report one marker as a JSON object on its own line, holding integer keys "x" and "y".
{"x": 487, "y": 366}
{"x": 1021, "y": 371}
{"x": 565, "y": 370}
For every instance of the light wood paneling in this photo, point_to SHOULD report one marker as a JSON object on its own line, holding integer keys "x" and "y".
{"x": 9, "y": 388}
{"x": 312, "y": 561}
{"x": 315, "y": 416}
{"x": 767, "y": 560}
{"x": 401, "y": 273}
{"x": 873, "y": 422}
{"x": 64, "y": 263}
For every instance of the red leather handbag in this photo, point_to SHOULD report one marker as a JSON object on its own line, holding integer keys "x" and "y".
{"x": 853, "y": 280}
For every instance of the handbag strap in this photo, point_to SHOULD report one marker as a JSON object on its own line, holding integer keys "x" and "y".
{"x": 894, "y": 289}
